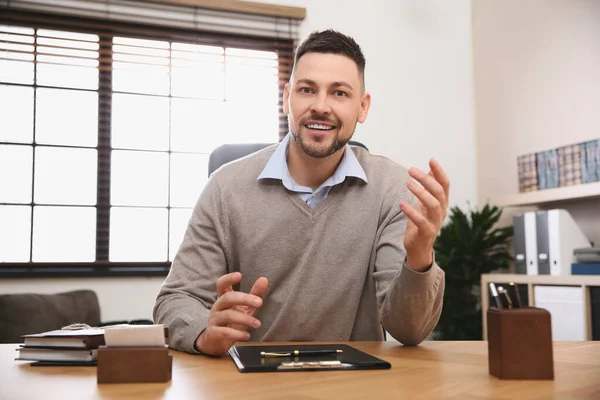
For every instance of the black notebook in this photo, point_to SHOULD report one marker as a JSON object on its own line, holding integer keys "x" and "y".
{"x": 249, "y": 358}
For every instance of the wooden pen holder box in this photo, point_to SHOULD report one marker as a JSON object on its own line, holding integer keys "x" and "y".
{"x": 134, "y": 364}
{"x": 520, "y": 343}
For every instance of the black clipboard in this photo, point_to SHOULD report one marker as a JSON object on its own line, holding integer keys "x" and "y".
{"x": 249, "y": 359}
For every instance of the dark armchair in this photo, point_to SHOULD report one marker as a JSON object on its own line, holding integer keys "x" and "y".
{"x": 26, "y": 313}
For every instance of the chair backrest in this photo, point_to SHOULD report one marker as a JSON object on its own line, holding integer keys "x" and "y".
{"x": 229, "y": 152}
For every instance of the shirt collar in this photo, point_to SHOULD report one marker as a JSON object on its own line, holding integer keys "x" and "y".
{"x": 277, "y": 167}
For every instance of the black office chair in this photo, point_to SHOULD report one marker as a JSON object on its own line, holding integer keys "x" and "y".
{"x": 229, "y": 152}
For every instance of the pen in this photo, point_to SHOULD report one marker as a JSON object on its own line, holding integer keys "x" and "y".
{"x": 495, "y": 295}
{"x": 300, "y": 353}
{"x": 515, "y": 292}
{"x": 504, "y": 294}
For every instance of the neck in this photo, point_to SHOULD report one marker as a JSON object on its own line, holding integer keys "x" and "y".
{"x": 310, "y": 171}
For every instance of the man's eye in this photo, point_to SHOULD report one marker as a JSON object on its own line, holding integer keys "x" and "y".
{"x": 340, "y": 93}
{"x": 305, "y": 90}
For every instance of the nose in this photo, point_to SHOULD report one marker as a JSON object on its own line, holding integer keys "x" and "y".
{"x": 320, "y": 105}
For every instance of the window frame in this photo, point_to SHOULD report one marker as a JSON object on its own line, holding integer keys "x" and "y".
{"x": 106, "y": 30}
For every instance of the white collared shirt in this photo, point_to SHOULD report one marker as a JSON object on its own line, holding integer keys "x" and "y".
{"x": 277, "y": 168}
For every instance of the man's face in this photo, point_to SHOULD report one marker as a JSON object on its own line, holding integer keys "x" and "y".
{"x": 323, "y": 101}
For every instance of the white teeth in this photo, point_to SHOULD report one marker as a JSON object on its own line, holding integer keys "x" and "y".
{"x": 320, "y": 127}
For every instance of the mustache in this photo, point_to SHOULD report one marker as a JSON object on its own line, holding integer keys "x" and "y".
{"x": 320, "y": 118}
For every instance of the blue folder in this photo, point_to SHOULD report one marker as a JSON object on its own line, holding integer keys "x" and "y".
{"x": 585, "y": 269}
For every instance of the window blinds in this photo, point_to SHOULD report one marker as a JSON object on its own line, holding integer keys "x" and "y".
{"x": 176, "y": 16}
{"x": 90, "y": 59}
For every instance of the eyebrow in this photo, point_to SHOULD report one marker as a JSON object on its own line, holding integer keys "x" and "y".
{"x": 333, "y": 84}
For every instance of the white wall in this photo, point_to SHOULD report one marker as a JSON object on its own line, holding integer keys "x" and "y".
{"x": 537, "y": 84}
{"x": 419, "y": 72}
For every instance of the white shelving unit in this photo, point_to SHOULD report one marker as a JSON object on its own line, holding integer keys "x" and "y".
{"x": 575, "y": 192}
{"x": 562, "y": 194}
{"x": 583, "y": 281}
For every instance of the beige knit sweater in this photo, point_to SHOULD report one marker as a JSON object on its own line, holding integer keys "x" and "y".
{"x": 336, "y": 272}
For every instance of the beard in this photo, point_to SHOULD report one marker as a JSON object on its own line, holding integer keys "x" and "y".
{"x": 319, "y": 150}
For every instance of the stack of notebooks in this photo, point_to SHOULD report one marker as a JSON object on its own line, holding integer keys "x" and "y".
{"x": 70, "y": 347}
{"x": 62, "y": 347}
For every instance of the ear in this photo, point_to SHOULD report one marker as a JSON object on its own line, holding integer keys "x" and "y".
{"x": 365, "y": 104}
{"x": 286, "y": 98}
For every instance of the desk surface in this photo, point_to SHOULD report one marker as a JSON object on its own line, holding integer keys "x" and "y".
{"x": 431, "y": 370}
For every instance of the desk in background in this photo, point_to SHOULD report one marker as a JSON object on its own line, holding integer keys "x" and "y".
{"x": 433, "y": 370}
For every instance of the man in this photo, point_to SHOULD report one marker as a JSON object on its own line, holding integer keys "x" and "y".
{"x": 321, "y": 241}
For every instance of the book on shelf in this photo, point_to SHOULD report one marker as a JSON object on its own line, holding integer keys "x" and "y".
{"x": 547, "y": 169}
{"x": 56, "y": 354}
{"x": 569, "y": 165}
{"x": 527, "y": 166}
{"x": 590, "y": 161}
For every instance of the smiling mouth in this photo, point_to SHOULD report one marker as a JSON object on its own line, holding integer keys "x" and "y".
{"x": 320, "y": 127}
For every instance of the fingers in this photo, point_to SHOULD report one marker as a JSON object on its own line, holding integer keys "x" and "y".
{"x": 225, "y": 282}
{"x": 234, "y": 317}
{"x": 418, "y": 219}
{"x": 233, "y": 298}
{"x": 429, "y": 207}
{"x": 432, "y": 204}
{"x": 440, "y": 176}
{"x": 226, "y": 334}
{"x": 231, "y": 315}
{"x": 430, "y": 185}
{"x": 260, "y": 287}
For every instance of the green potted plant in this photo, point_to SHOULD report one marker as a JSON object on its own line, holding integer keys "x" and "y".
{"x": 468, "y": 245}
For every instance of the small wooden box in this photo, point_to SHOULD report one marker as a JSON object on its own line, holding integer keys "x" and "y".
{"x": 134, "y": 364}
{"x": 520, "y": 343}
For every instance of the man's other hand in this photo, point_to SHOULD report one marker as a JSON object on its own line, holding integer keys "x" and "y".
{"x": 231, "y": 315}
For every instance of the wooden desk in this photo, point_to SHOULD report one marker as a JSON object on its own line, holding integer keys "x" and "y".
{"x": 433, "y": 370}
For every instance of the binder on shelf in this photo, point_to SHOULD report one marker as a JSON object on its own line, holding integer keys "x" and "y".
{"x": 595, "y": 306}
{"x": 564, "y": 237}
{"x": 519, "y": 244}
{"x": 531, "y": 254}
{"x": 542, "y": 242}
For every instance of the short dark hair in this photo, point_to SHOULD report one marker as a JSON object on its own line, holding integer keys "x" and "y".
{"x": 333, "y": 42}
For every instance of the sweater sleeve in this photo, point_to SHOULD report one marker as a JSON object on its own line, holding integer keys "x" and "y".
{"x": 189, "y": 291}
{"x": 410, "y": 302}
